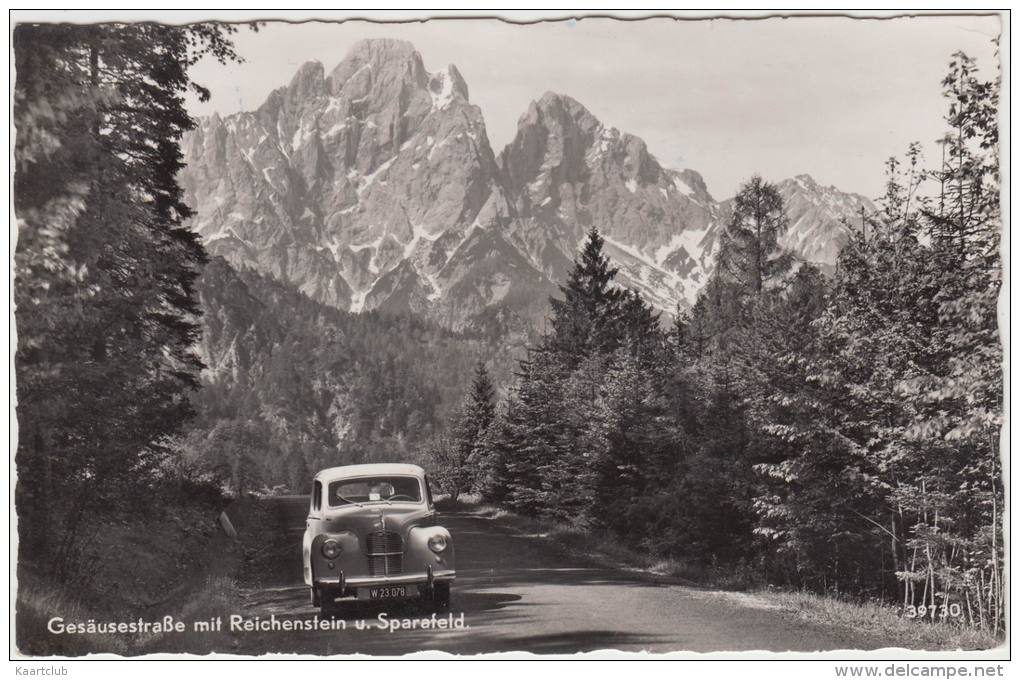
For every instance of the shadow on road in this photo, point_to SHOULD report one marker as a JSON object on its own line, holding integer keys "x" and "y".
{"x": 467, "y": 603}
{"x": 517, "y": 593}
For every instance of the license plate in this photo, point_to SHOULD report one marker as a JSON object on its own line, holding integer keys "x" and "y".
{"x": 387, "y": 592}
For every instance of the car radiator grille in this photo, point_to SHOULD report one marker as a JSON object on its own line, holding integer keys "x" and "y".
{"x": 385, "y": 553}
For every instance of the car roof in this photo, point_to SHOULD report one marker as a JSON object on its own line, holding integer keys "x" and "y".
{"x": 368, "y": 470}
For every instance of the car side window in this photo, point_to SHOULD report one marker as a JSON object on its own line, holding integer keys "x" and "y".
{"x": 428, "y": 491}
{"x": 317, "y": 496}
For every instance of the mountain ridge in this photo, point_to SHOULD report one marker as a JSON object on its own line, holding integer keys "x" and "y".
{"x": 375, "y": 187}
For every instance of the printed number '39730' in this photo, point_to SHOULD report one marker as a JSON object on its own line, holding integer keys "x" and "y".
{"x": 943, "y": 611}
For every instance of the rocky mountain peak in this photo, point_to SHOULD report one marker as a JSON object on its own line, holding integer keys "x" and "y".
{"x": 568, "y": 171}
{"x": 308, "y": 81}
{"x": 549, "y": 148}
{"x": 378, "y": 68}
{"x": 820, "y": 218}
{"x": 357, "y": 186}
{"x": 447, "y": 84}
{"x": 374, "y": 187}
{"x": 559, "y": 110}
{"x": 380, "y": 50}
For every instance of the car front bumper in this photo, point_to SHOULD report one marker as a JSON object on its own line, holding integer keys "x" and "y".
{"x": 341, "y": 581}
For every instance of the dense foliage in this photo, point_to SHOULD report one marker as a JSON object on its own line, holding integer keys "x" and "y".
{"x": 896, "y": 406}
{"x": 293, "y": 386}
{"x": 837, "y": 434}
{"x": 105, "y": 271}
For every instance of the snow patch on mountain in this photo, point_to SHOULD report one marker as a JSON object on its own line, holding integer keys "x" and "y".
{"x": 365, "y": 182}
{"x": 358, "y": 300}
{"x": 680, "y": 185}
{"x": 442, "y": 89}
{"x": 690, "y": 240}
{"x": 375, "y": 186}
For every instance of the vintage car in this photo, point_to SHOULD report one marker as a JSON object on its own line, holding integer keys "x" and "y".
{"x": 372, "y": 535}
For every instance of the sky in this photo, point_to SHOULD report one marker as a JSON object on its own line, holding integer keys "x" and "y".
{"x": 832, "y": 97}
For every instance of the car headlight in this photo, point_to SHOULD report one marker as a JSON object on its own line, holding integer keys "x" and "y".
{"x": 330, "y": 548}
{"x": 437, "y": 543}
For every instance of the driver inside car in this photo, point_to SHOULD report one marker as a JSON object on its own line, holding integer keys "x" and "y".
{"x": 380, "y": 491}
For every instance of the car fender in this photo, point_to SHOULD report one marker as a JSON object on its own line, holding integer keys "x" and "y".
{"x": 418, "y": 551}
{"x": 349, "y": 559}
{"x": 306, "y": 555}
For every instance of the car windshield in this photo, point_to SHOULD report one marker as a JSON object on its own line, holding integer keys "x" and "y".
{"x": 381, "y": 489}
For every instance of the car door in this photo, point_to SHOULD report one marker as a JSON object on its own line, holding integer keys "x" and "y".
{"x": 433, "y": 513}
{"x": 312, "y": 527}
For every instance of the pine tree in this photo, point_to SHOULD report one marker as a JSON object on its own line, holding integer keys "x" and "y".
{"x": 728, "y": 358}
{"x": 640, "y": 330}
{"x": 468, "y": 459}
{"x": 898, "y": 405}
{"x": 480, "y": 407}
{"x": 447, "y": 467}
{"x": 967, "y": 211}
{"x": 587, "y": 416}
{"x": 536, "y": 445}
{"x": 472, "y": 427}
{"x": 107, "y": 312}
{"x": 958, "y": 398}
{"x": 749, "y": 251}
{"x": 492, "y": 476}
{"x": 583, "y": 321}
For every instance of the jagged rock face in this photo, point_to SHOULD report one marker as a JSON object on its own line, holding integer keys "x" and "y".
{"x": 567, "y": 172}
{"x": 375, "y": 187}
{"x": 817, "y": 231}
{"x": 820, "y": 219}
{"x": 342, "y": 183}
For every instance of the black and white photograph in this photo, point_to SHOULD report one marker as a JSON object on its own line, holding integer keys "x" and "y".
{"x": 588, "y": 335}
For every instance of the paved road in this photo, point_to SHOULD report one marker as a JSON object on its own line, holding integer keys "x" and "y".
{"x": 520, "y": 592}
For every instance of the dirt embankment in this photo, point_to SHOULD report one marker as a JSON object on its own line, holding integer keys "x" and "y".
{"x": 175, "y": 562}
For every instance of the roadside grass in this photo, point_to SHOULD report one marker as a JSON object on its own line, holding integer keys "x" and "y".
{"x": 136, "y": 568}
{"x": 37, "y": 603}
{"x": 40, "y": 600}
{"x": 217, "y": 597}
{"x": 740, "y": 584}
{"x": 882, "y": 620}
